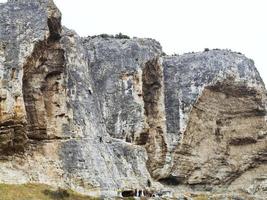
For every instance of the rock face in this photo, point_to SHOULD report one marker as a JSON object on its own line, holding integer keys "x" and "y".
{"x": 221, "y": 102}
{"x": 114, "y": 116}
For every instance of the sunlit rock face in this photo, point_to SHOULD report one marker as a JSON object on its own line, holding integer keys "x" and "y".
{"x": 220, "y": 133}
{"x": 114, "y": 116}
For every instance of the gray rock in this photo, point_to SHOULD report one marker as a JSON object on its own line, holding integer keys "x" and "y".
{"x": 112, "y": 116}
{"x": 221, "y": 102}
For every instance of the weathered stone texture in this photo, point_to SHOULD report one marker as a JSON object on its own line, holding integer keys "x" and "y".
{"x": 19, "y": 33}
{"x": 113, "y": 116}
{"x": 221, "y": 129}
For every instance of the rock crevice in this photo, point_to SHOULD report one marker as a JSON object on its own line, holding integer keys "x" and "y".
{"x": 155, "y": 133}
{"x": 114, "y": 116}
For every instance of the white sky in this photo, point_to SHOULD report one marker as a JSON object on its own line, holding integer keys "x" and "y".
{"x": 179, "y": 25}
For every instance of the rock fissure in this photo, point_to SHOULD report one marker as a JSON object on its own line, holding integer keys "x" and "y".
{"x": 44, "y": 87}
{"x": 154, "y": 135}
{"x": 114, "y": 116}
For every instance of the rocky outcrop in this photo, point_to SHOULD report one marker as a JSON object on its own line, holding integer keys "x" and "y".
{"x": 222, "y": 125}
{"x": 114, "y": 116}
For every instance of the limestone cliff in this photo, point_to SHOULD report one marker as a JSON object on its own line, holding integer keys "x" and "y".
{"x": 111, "y": 116}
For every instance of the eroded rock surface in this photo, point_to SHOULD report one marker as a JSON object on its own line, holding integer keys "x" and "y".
{"x": 113, "y": 116}
{"x": 221, "y": 131}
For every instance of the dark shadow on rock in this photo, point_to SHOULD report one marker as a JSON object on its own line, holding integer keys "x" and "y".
{"x": 58, "y": 194}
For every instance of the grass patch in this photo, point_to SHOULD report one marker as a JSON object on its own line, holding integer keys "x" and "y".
{"x": 201, "y": 197}
{"x": 38, "y": 192}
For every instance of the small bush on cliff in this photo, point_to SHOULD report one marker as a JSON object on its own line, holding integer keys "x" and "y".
{"x": 121, "y": 36}
{"x": 58, "y": 194}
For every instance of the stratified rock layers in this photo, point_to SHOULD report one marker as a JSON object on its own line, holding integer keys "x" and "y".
{"x": 114, "y": 116}
{"x": 221, "y": 131}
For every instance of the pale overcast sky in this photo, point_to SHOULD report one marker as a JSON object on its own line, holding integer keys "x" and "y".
{"x": 179, "y": 25}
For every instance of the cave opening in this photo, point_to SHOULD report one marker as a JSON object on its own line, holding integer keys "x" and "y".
{"x": 171, "y": 180}
{"x": 128, "y": 193}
